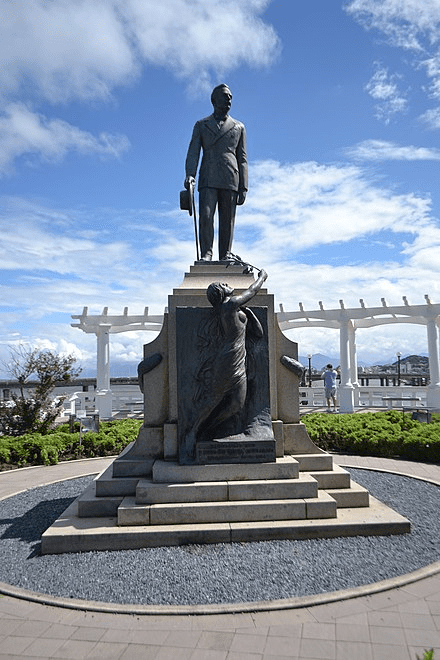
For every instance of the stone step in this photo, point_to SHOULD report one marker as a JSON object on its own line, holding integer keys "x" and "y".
{"x": 171, "y": 472}
{"x": 127, "y": 465}
{"x": 108, "y": 485}
{"x": 355, "y": 496}
{"x": 72, "y": 534}
{"x": 313, "y": 462}
{"x": 149, "y": 492}
{"x": 130, "y": 513}
{"x": 336, "y": 478}
{"x": 90, "y": 506}
{"x": 377, "y": 519}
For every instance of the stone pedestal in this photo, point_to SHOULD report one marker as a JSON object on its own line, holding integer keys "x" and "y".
{"x": 268, "y": 481}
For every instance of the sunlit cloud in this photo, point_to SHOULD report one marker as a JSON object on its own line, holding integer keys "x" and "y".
{"x": 405, "y": 22}
{"x": 383, "y": 88}
{"x": 295, "y": 207}
{"x": 379, "y": 150}
{"x": 293, "y": 216}
{"x": 37, "y": 138}
{"x": 65, "y": 49}
{"x": 431, "y": 118}
{"x": 414, "y": 27}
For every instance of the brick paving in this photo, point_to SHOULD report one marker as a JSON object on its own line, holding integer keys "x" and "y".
{"x": 393, "y": 624}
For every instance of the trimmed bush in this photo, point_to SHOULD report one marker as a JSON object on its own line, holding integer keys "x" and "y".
{"x": 387, "y": 434}
{"x": 61, "y": 445}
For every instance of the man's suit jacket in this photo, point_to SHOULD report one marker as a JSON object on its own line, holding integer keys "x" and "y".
{"x": 224, "y": 161}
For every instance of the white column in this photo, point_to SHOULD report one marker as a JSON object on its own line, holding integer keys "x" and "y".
{"x": 346, "y": 389}
{"x": 103, "y": 400}
{"x": 433, "y": 394}
{"x": 353, "y": 362}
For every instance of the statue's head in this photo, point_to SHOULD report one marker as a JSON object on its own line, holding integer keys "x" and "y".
{"x": 217, "y": 292}
{"x": 221, "y": 98}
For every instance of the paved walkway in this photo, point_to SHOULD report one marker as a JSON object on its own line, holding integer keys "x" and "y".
{"x": 395, "y": 623}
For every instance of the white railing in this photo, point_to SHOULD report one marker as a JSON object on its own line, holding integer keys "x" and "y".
{"x": 128, "y": 398}
{"x": 370, "y": 396}
{"x": 125, "y": 399}
{"x": 80, "y": 401}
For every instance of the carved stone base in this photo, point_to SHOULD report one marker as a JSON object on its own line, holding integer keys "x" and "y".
{"x": 298, "y": 441}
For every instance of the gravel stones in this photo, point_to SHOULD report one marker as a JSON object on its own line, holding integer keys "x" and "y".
{"x": 218, "y": 573}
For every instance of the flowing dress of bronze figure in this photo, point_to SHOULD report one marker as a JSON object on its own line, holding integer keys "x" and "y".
{"x": 223, "y": 176}
{"x": 224, "y": 373}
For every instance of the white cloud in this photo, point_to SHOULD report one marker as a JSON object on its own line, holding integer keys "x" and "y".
{"x": 26, "y": 133}
{"x": 76, "y": 49}
{"x": 432, "y": 66}
{"x": 293, "y": 215}
{"x": 196, "y": 38}
{"x": 65, "y": 50}
{"x": 295, "y": 207}
{"x": 383, "y": 88}
{"x": 378, "y": 150}
{"x": 404, "y": 22}
{"x": 431, "y": 118}
{"x": 30, "y": 248}
{"x": 412, "y": 25}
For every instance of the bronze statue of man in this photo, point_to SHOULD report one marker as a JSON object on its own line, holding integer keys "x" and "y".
{"x": 223, "y": 175}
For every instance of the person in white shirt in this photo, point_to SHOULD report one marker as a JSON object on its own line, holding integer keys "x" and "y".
{"x": 329, "y": 377}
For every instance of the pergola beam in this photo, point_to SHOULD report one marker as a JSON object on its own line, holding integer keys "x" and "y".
{"x": 348, "y": 320}
{"x": 103, "y": 325}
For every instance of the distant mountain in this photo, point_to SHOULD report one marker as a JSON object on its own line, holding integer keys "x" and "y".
{"x": 319, "y": 361}
{"x": 122, "y": 368}
{"x": 411, "y": 359}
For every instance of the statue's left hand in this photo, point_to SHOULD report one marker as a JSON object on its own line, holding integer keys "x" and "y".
{"x": 241, "y": 197}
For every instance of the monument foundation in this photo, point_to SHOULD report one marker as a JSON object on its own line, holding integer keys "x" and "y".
{"x": 197, "y": 475}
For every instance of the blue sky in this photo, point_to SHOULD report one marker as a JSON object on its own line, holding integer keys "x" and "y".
{"x": 341, "y": 101}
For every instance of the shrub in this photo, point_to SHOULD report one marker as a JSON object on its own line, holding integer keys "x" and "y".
{"x": 383, "y": 434}
{"x": 60, "y": 444}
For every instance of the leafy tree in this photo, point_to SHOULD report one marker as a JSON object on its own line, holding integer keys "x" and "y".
{"x": 33, "y": 409}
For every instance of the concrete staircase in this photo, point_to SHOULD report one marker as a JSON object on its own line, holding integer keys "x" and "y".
{"x": 301, "y": 496}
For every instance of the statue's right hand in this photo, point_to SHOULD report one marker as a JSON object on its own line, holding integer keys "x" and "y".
{"x": 262, "y": 274}
{"x": 190, "y": 180}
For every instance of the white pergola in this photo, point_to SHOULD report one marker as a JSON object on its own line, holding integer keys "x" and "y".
{"x": 346, "y": 320}
{"x": 103, "y": 325}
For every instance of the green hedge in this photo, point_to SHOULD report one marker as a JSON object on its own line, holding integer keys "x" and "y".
{"x": 387, "y": 434}
{"x": 61, "y": 445}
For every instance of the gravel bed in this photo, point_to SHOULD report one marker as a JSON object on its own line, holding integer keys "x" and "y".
{"x": 220, "y": 573}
